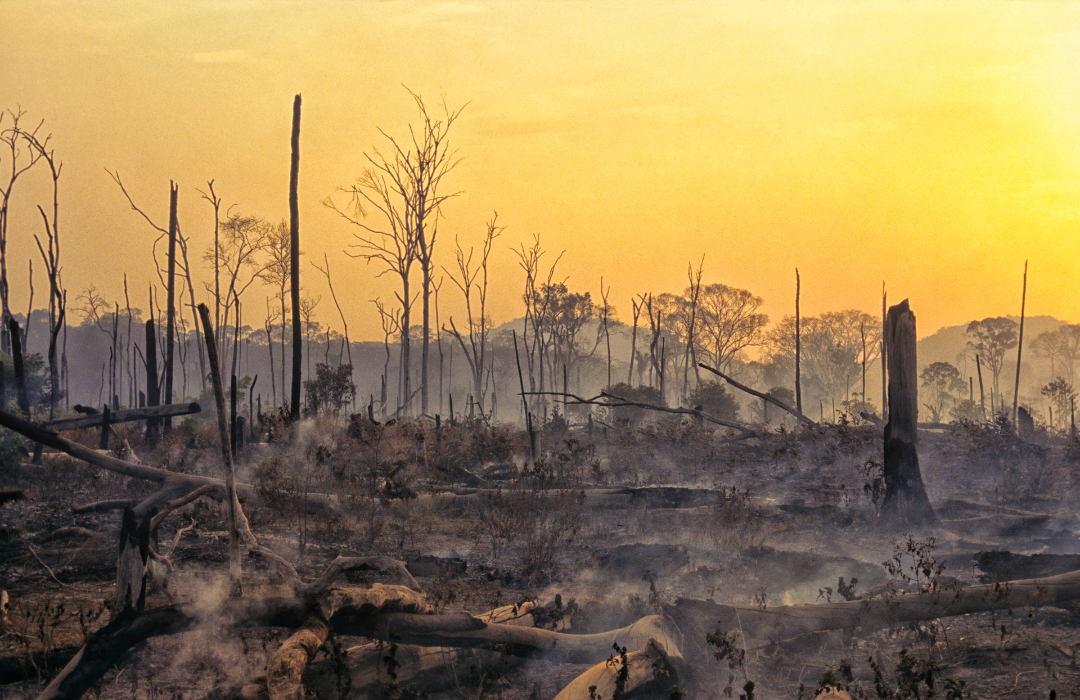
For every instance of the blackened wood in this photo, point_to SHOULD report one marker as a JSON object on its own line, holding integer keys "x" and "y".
{"x": 131, "y": 414}
{"x": 906, "y": 503}
{"x": 153, "y": 389}
{"x": 20, "y": 372}
{"x": 170, "y": 321}
{"x": 103, "y": 443}
{"x": 294, "y": 232}
{"x": 235, "y": 588}
{"x": 798, "y": 346}
{"x": 1020, "y": 349}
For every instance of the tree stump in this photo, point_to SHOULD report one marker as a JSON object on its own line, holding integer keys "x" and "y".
{"x": 906, "y": 503}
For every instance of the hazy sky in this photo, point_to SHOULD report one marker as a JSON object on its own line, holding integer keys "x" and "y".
{"x": 934, "y": 146}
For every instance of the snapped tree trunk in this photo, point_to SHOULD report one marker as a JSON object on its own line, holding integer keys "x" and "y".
{"x": 294, "y": 231}
{"x": 906, "y": 502}
{"x": 170, "y": 304}
{"x": 153, "y": 390}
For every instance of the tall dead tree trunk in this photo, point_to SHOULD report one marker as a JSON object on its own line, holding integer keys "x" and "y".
{"x": 20, "y": 373}
{"x": 982, "y": 393}
{"x": 798, "y": 346}
{"x": 153, "y": 389}
{"x": 170, "y": 303}
{"x": 884, "y": 357}
{"x": 235, "y": 587}
{"x": 1019, "y": 348}
{"x": 294, "y": 231}
{"x": 906, "y": 503}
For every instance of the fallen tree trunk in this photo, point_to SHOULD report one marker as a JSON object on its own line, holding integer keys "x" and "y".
{"x": 105, "y": 646}
{"x": 467, "y": 631}
{"x": 650, "y": 669}
{"x": 174, "y": 484}
{"x": 783, "y": 622}
{"x": 422, "y": 669}
{"x": 765, "y": 397}
{"x": 131, "y": 414}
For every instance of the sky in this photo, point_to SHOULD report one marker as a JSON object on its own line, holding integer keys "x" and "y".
{"x": 931, "y": 146}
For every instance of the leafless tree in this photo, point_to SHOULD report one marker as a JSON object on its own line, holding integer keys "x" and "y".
{"x": 50, "y": 254}
{"x": 18, "y": 145}
{"x": 537, "y": 314}
{"x": 182, "y": 261}
{"x": 403, "y": 186}
{"x": 606, "y": 312}
{"x": 393, "y": 245}
{"x": 473, "y": 283}
{"x": 276, "y": 274}
{"x": 694, "y": 294}
{"x": 344, "y": 324}
{"x": 236, "y": 253}
{"x": 391, "y": 325}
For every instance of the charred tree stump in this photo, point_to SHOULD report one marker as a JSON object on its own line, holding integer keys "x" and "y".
{"x": 906, "y": 502}
{"x": 103, "y": 443}
{"x": 20, "y": 372}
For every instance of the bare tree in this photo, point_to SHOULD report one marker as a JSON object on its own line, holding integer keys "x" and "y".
{"x": 391, "y": 324}
{"x": 276, "y": 274}
{"x": 473, "y": 283}
{"x": 22, "y": 156}
{"x": 606, "y": 312}
{"x": 393, "y": 246}
{"x": 694, "y": 294}
{"x": 348, "y": 347}
{"x": 403, "y": 186}
{"x": 50, "y": 253}
{"x": 182, "y": 262}
{"x": 537, "y": 313}
{"x": 237, "y": 253}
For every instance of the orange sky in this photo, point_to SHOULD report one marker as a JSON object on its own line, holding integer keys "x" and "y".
{"x": 932, "y": 145}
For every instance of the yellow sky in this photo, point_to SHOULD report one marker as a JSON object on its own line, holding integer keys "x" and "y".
{"x": 935, "y": 146}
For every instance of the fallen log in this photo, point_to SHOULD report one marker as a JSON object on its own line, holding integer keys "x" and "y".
{"x": 769, "y": 624}
{"x": 651, "y": 669}
{"x": 765, "y": 397}
{"x": 131, "y": 414}
{"x": 106, "y": 646}
{"x": 466, "y": 631}
{"x": 174, "y": 484}
{"x": 421, "y": 669}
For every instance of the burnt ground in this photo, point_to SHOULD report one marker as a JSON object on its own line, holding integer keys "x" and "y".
{"x": 616, "y": 523}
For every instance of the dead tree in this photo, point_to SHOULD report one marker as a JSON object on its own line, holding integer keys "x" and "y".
{"x": 294, "y": 236}
{"x": 1020, "y": 349}
{"x": 344, "y": 324}
{"x": 22, "y": 157}
{"x": 905, "y": 503}
{"x": 798, "y": 345}
{"x": 50, "y": 253}
{"x": 181, "y": 242}
{"x": 473, "y": 284}
{"x": 170, "y": 303}
{"x": 691, "y": 342}
{"x": 20, "y": 373}
{"x": 235, "y": 588}
{"x": 606, "y": 312}
{"x": 153, "y": 389}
